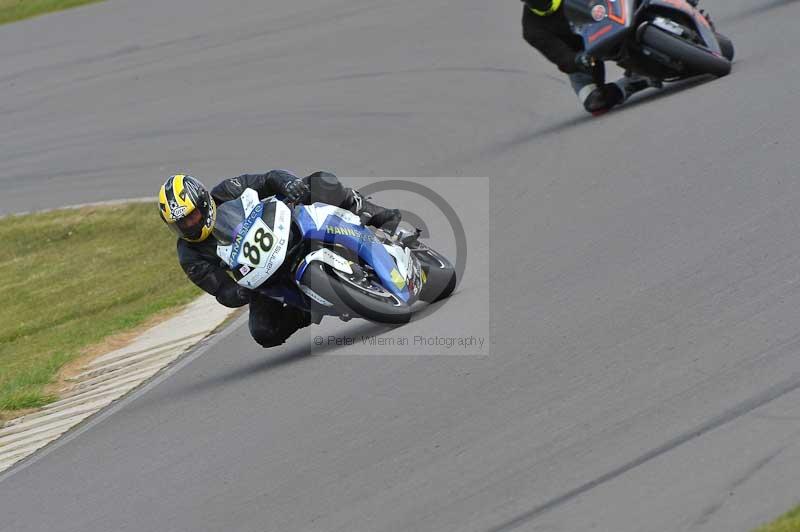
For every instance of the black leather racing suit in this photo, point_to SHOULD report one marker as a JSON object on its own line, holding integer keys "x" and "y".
{"x": 271, "y": 323}
{"x": 553, "y": 37}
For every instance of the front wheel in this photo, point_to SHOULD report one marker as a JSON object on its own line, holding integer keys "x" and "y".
{"x": 355, "y": 294}
{"x": 695, "y": 60}
{"x": 440, "y": 276}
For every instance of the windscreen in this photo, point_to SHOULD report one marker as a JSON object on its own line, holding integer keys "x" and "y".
{"x": 230, "y": 216}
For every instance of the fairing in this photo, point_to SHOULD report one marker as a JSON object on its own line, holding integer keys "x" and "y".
{"x": 253, "y": 237}
{"x": 331, "y": 225}
{"x": 600, "y": 34}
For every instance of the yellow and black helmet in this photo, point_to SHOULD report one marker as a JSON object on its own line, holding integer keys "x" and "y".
{"x": 187, "y": 208}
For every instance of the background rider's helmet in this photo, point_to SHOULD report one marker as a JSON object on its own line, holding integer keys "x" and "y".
{"x": 187, "y": 208}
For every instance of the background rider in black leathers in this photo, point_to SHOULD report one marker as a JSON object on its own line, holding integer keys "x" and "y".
{"x": 271, "y": 323}
{"x": 546, "y": 28}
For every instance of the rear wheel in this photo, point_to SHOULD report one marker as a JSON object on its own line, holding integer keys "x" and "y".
{"x": 355, "y": 294}
{"x": 726, "y": 45}
{"x": 695, "y": 60}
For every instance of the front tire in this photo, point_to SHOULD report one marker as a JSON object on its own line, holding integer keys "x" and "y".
{"x": 377, "y": 305}
{"x": 441, "y": 276}
{"x": 695, "y": 60}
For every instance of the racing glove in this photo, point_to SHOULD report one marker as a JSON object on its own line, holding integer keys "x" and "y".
{"x": 294, "y": 189}
{"x": 371, "y": 213}
{"x": 386, "y": 219}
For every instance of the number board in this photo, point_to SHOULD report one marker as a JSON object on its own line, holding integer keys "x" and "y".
{"x": 258, "y": 245}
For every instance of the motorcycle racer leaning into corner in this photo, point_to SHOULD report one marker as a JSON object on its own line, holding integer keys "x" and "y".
{"x": 189, "y": 209}
{"x": 546, "y": 28}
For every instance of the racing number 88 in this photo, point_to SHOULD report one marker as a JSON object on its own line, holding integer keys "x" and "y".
{"x": 264, "y": 239}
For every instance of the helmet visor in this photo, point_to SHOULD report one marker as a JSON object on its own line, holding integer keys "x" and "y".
{"x": 191, "y": 225}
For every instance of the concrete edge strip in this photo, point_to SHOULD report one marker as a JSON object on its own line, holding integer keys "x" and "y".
{"x": 108, "y": 401}
{"x": 95, "y": 402}
{"x": 126, "y": 354}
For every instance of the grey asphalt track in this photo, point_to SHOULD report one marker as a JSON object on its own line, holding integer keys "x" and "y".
{"x": 645, "y": 287}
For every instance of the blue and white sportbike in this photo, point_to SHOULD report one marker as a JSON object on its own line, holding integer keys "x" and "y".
{"x": 324, "y": 260}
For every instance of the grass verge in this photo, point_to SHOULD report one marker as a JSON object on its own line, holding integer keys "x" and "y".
{"x": 789, "y": 522}
{"x": 13, "y": 10}
{"x": 70, "y": 279}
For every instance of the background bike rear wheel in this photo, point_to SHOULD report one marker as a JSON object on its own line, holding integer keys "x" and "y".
{"x": 695, "y": 60}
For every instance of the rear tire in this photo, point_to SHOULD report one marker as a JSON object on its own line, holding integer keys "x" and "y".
{"x": 349, "y": 299}
{"x": 726, "y": 45}
{"x": 694, "y": 59}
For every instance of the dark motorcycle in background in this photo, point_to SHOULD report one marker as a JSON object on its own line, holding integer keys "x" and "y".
{"x": 664, "y": 40}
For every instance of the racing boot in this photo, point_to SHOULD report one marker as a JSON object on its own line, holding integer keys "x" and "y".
{"x": 632, "y": 83}
{"x": 603, "y": 98}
